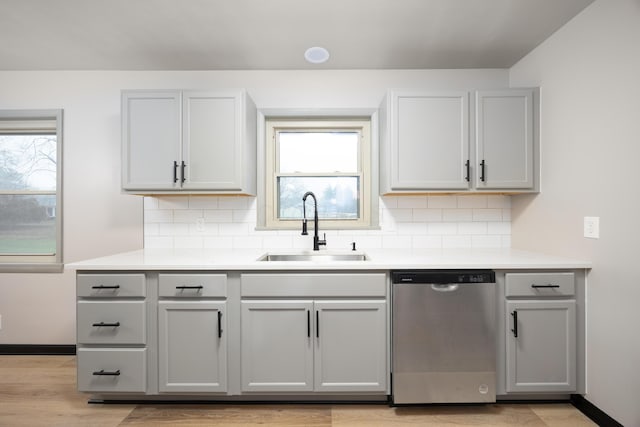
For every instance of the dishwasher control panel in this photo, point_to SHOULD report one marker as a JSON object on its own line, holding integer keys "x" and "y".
{"x": 443, "y": 276}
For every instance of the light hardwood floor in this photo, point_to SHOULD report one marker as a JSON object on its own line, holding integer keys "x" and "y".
{"x": 41, "y": 391}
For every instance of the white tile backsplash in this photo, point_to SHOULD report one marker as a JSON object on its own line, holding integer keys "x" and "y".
{"x": 434, "y": 221}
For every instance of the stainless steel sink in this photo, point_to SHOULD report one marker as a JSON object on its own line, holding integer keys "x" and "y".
{"x": 314, "y": 257}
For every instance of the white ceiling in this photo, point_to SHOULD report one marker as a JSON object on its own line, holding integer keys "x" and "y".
{"x": 273, "y": 34}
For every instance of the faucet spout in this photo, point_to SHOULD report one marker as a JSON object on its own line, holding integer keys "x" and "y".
{"x": 317, "y": 242}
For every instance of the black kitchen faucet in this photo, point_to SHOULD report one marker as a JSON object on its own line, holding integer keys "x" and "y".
{"x": 316, "y": 240}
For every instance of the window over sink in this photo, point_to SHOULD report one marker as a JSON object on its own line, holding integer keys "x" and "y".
{"x": 331, "y": 158}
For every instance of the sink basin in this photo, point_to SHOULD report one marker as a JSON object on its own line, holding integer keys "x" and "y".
{"x": 314, "y": 256}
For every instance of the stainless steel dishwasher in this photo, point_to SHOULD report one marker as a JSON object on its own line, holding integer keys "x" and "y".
{"x": 443, "y": 336}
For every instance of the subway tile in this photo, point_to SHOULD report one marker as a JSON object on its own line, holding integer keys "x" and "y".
{"x": 500, "y": 228}
{"x": 451, "y": 242}
{"x": 487, "y": 214}
{"x": 232, "y": 202}
{"x": 247, "y": 242}
{"x": 203, "y": 202}
{"x": 472, "y": 201}
{"x": 428, "y": 215}
{"x": 411, "y": 228}
{"x": 427, "y": 242}
{"x": 401, "y": 215}
{"x": 456, "y": 215}
{"x": 445, "y": 201}
{"x": 158, "y": 242}
{"x": 150, "y": 203}
{"x": 486, "y": 241}
{"x": 473, "y": 228}
{"x": 207, "y": 229}
{"x": 233, "y": 229}
{"x": 244, "y": 215}
{"x": 156, "y": 216}
{"x": 396, "y": 242}
{"x": 498, "y": 201}
{"x": 188, "y": 216}
{"x": 412, "y": 202}
{"x": 442, "y": 228}
{"x": 389, "y": 202}
{"x": 188, "y": 242}
{"x": 277, "y": 242}
{"x": 218, "y": 242}
{"x": 223, "y": 215}
{"x": 173, "y": 229}
{"x": 151, "y": 229}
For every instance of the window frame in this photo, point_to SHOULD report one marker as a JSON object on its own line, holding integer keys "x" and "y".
{"x": 367, "y": 168}
{"x": 39, "y": 263}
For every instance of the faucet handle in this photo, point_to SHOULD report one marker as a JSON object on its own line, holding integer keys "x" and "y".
{"x": 304, "y": 227}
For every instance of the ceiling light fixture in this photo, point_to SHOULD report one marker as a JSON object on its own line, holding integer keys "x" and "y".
{"x": 316, "y": 55}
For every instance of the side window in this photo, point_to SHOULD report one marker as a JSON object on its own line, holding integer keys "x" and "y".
{"x": 30, "y": 190}
{"x": 330, "y": 158}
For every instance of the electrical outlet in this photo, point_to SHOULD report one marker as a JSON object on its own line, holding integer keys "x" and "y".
{"x": 592, "y": 227}
{"x": 200, "y": 225}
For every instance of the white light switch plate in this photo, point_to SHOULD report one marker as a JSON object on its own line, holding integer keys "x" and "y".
{"x": 592, "y": 227}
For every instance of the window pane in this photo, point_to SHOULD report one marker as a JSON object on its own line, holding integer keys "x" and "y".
{"x": 337, "y": 197}
{"x": 318, "y": 152}
{"x": 28, "y": 162}
{"x": 27, "y": 225}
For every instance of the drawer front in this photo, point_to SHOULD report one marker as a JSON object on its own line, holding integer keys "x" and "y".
{"x": 111, "y": 322}
{"x": 192, "y": 285}
{"x": 314, "y": 285}
{"x": 110, "y": 285}
{"x": 112, "y": 370}
{"x": 540, "y": 284}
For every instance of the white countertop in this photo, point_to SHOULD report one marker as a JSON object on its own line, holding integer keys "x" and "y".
{"x": 378, "y": 259}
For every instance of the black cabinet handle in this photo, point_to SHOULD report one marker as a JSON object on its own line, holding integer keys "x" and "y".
{"x": 514, "y": 313}
{"x": 106, "y": 287}
{"x": 182, "y": 166}
{"x": 467, "y": 166}
{"x": 106, "y": 325}
{"x": 189, "y": 287}
{"x": 317, "y": 324}
{"x": 219, "y": 324}
{"x": 308, "y": 324}
{"x": 102, "y": 372}
{"x": 175, "y": 171}
{"x": 482, "y": 177}
{"x": 544, "y": 286}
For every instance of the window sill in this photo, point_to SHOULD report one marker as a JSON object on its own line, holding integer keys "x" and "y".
{"x": 31, "y": 267}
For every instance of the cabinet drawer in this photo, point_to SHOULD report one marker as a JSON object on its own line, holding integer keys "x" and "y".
{"x": 539, "y": 284}
{"x": 192, "y": 285}
{"x": 111, "y": 322}
{"x": 110, "y": 285}
{"x": 112, "y": 370}
{"x": 314, "y": 285}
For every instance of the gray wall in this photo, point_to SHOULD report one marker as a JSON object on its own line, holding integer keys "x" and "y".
{"x": 589, "y": 72}
{"x": 98, "y": 219}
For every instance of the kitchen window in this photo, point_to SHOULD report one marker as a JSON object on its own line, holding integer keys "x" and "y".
{"x": 30, "y": 190}
{"x": 329, "y": 157}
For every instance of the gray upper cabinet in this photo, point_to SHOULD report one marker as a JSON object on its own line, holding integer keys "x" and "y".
{"x": 197, "y": 141}
{"x": 505, "y": 140}
{"x": 427, "y": 141}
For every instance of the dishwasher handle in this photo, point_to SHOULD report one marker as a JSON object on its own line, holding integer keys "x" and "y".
{"x": 448, "y": 287}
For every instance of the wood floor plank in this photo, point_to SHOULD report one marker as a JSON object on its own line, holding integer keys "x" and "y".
{"x": 561, "y": 415}
{"x": 230, "y": 415}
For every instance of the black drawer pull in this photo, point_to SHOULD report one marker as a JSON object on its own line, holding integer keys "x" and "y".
{"x": 482, "y": 166}
{"x": 317, "y": 324}
{"x": 106, "y": 287}
{"x": 102, "y": 372}
{"x": 175, "y": 171}
{"x": 467, "y": 166}
{"x": 514, "y": 313}
{"x": 219, "y": 324}
{"x": 112, "y": 325}
{"x": 544, "y": 286}
{"x": 189, "y": 287}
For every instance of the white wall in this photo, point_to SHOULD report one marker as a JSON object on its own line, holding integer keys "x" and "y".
{"x": 98, "y": 220}
{"x": 589, "y": 73}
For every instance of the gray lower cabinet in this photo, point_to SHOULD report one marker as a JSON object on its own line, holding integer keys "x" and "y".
{"x": 541, "y": 350}
{"x": 111, "y": 333}
{"x": 304, "y": 332}
{"x": 192, "y": 351}
{"x": 541, "y": 333}
{"x": 192, "y": 332}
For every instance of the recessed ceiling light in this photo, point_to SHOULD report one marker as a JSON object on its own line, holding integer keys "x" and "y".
{"x": 316, "y": 55}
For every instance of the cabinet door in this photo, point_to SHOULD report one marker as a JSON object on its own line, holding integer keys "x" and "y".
{"x": 504, "y": 139}
{"x": 151, "y": 135}
{"x": 541, "y": 346}
{"x": 350, "y": 349}
{"x": 277, "y": 352}
{"x": 430, "y": 141}
{"x": 192, "y": 354}
{"x": 212, "y": 146}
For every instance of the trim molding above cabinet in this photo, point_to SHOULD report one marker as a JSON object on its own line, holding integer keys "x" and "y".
{"x": 200, "y": 142}
{"x": 459, "y": 142}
